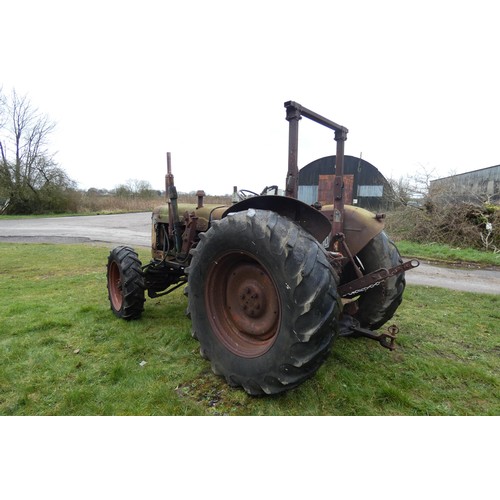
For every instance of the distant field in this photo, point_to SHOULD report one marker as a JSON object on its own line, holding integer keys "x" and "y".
{"x": 64, "y": 353}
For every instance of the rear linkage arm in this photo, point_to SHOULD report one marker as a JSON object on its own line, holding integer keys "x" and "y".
{"x": 374, "y": 278}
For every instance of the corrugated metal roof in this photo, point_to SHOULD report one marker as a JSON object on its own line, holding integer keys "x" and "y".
{"x": 490, "y": 172}
{"x": 365, "y": 176}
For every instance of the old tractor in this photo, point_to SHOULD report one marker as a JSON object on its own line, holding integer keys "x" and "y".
{"x": 271, "y": 281}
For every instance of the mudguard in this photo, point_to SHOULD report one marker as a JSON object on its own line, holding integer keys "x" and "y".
{"x": 312, "y": 220}
{"x": 360, "y": 226}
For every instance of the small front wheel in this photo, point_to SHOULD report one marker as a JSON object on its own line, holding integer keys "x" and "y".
{"x": 125, "y": 283}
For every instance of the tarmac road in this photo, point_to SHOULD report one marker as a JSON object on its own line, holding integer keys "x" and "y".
{"x": 120, "y": 229}
{"x": 135, "y": 230}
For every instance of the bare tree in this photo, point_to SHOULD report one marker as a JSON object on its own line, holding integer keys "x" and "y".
{"x": 29, "y": 175}
{"x": 135, "y": 188}
{"x": 401, "y": 192}
{"x": 412, "y": 189}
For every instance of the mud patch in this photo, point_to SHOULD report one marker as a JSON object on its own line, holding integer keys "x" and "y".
{"x": 208, "y": 390}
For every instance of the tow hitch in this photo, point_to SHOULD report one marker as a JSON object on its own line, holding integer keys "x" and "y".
{"x": 385, "y": 339}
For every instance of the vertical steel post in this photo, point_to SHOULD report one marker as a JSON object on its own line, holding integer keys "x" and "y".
{"x": 338, "y": 184}
{"x": 173, "y": 211}
{"x": 292, "y": 178}
{"x": 169, "y": 181}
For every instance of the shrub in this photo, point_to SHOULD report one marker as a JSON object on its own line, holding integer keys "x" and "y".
{"x": 460, "y": 224}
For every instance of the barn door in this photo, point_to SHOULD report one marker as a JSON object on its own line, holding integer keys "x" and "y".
{"x": 325, "y": 189}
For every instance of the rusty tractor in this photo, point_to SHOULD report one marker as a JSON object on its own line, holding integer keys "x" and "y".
{"x": 271, "y": 281}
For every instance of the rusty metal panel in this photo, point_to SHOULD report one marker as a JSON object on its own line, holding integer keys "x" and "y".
{"x": 348, "y": 188}
{"x": 325, "y": 189}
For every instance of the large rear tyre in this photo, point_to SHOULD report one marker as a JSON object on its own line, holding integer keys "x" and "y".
{"x": 125, "y": 283}
{"x": 263, "y": 301}
{"x": 378, "y": 305}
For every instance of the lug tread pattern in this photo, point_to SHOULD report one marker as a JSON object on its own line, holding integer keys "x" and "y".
{"x": 311, "y": 313}
{"x": 132, "y": 282}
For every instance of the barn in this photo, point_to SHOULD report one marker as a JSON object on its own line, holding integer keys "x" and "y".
{"x": 478, "y": 185}
{"x": 364, "y": 185}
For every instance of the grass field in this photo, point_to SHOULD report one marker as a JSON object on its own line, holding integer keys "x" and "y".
{"x": 448, "y": 254}
{"x": 64, "y": 353}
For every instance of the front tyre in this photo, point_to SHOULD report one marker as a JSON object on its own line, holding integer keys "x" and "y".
{"x": 263, "y": 301}
{"x": 125, "y": 283}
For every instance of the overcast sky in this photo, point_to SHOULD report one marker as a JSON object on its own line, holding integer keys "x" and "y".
{"x": 416, "y": 83}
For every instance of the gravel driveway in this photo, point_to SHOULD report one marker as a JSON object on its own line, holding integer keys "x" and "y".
{"x": 135, "y": 230}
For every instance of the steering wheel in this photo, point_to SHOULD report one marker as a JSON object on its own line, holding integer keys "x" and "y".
{"x": 246, "y": 193}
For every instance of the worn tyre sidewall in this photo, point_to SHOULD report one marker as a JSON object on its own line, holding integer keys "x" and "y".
{"x": 308, "y": 299}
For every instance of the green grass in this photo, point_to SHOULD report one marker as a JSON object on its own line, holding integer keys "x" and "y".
{"x": 62, "y": 352}
{"x": 445, "y": 253}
